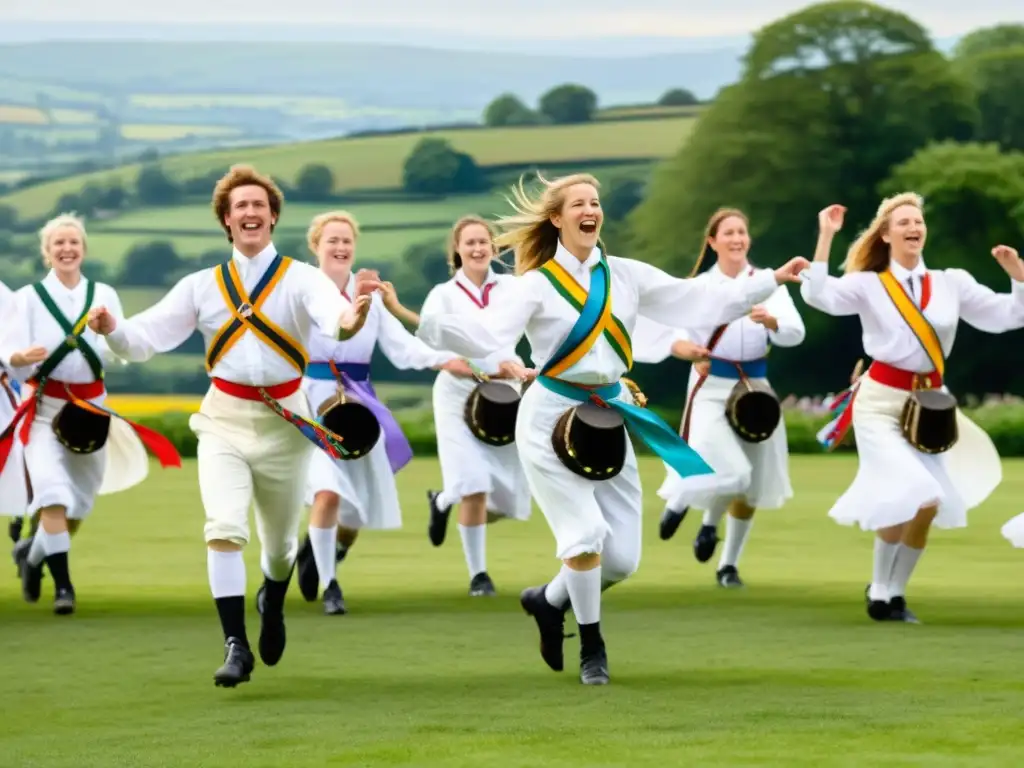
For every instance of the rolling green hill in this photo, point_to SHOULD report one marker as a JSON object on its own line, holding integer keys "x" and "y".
{"x": 376, "y": 161}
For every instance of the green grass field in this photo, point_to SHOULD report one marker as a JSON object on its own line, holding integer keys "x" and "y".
{"x": 788, "y": 672}
{"x": 376, "y": 162}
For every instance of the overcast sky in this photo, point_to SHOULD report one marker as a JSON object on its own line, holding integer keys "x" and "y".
{"x": 518, "y": 18}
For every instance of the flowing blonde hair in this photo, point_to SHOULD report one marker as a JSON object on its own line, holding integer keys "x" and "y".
{"x": 454, "y": 260}
{"x": 320, "y": 222}
{"x": 49, "y": 228}
{"x": 711, "y": 230}
{"x": 529, "y": 231}
{"x": 869, "y": 253}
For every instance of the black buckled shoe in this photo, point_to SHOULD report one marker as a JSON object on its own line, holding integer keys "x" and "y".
{"x": 237, "y": 666}
{"x": 334, "y": 600}
{"x": 481, "y": 585}
{"x": 272, "y": 632}
{"x": 705, "y": 543}
{"x": 899, "y": 611}
{"x": 438, "y": 527}
{"x": 309, "y": 578}
{"x": 594, "y": 667}
{"x": 729, "y": 577}
{"x": 670, "y": 520}
{"x": 551, "y": 624}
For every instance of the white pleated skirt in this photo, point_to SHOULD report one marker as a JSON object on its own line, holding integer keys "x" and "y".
{"x": 469, "y": 466}
{"x": 758, "y": 473}
{"x": 894, "y": 480}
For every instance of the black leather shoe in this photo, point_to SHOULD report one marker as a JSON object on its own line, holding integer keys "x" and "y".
{"x": 594, "y": 667}
{"x": 272, "y": 633}
{"x": 309, "y": 579}
{"x": 14, "y": 528}
{"x": 438, "y": 527}
{"x": 551, "y": 623}
{"x": 334, "y": 601}
{"x": 237, "y": 666}
{"x": 31, "y": 575}
{"x": 64, "y": 601}
{"x": 705, "y": 543}
{"x": 670, "y": 520}
{"x": 729, "y": 577}
{"x": 898, "y": 611}
{"x": 481, "y": 585}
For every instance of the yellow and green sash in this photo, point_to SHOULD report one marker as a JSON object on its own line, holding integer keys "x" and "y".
{"x": 605, "y": 322}
{"x": 246, "y": 315}
{"x": 596, "y": 318}
{"x": 915, "y": 319}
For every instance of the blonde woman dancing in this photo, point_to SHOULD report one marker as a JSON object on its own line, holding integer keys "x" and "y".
{"x": 577, "y": 307}
{"x": 921, "y": 462}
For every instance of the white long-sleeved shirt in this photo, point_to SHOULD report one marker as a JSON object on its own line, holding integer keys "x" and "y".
{"x": 461, "y": 297}
{"x": 743, "y": 339}
{"x": 32, "y": 325}
{"x": 535, "y": 308}
{"x": 304, "y": 299}
{"x": 383, "y": 329}
{"x": 955, "y": 294}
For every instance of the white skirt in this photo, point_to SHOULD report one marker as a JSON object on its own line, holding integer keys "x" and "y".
{"x": 13, "y": 491}
{"x": 1014, "y": 531}
{"x": 470, "y": 466}
{"x": 756, "y": 472}
{"x": 894, "y": 480}
{"x": 62, "y": 478}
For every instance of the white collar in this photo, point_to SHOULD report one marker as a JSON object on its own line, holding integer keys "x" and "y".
{"x": 717, "y": 272}
{"x": 53, "y": 285}
{"x": 259, "y": 262}
{"x": 460, "y": 277}
{"x": 902, "y": 273}
{"x": 573, "y": 265}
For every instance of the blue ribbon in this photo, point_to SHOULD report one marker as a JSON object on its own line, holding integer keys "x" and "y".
{"x": 726, "y": 369}
{"x": 645, "y": 424}
{"x": 321, "y": 370}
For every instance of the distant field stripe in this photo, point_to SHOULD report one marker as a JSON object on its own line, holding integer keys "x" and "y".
{"x": 21, "y": 115}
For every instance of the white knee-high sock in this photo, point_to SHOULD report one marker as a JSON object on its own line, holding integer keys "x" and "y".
{"x": 905, "y": 562}
{"x": 881, "y": 570}
{"x": 556, "y": 592}
{"x": 37, "y": 551}
{"x": 54, "y": 543}
{"x": 585, "y": 594}
{"x": 713, "y": 515}
{"x": 227, "y": 573}
{"x": 323, "y": 541}
{"x": 736, "y": 532}
{"x": 474, "y": 547}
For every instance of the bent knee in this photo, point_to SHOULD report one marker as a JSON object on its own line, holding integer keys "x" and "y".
{"x": 618, "y": 566}
{"x": 223, "y": 531}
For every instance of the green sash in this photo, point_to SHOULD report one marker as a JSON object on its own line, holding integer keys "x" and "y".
{"x": 74, "y": 339}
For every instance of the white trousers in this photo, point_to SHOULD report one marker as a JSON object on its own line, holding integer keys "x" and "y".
{"x": 586, "y": 516}
{"x": 250, "y": 456}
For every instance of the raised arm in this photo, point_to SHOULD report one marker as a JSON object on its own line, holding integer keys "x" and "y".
{"x": 161, "y": 328}
{"x": 832, "y": 295}
{"x": 479, "y": 335}
{"x": 985, "y": 309}
{"x": 404, "y": 350}
{"x": 689, "y": 302}
{"x": 789, "y": 330}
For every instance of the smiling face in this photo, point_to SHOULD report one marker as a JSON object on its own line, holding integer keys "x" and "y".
{"x": 579, "y": 219}
{"x": 475, "y": 249}
{"x": 906, "y": 231}
{"x": 731, "y": 241}
{"x": 249, "y": 218}
{"x": 65, "y": 250}
{"x": 336, "y": 250}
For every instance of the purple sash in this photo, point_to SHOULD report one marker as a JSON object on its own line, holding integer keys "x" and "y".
{"x": 395, "y": 442}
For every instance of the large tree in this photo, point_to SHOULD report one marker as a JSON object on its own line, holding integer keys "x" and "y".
{"x": 993, "y": 60}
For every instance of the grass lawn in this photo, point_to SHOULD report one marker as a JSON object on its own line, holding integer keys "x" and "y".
{"x": 376, "y": 161}
{"x": 788, "y": 672}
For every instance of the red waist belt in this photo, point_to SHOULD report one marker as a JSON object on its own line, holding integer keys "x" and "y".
{"x": 900, "y": 379}
{"x": 79, "y": 394}
{"x": 250, "y": 392}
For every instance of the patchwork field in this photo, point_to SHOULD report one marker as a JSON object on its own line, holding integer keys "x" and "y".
{"x": 376, "y": 162}
{"x": 788, "y": 671}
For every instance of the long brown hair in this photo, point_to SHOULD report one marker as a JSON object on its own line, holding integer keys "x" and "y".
{"x": 454, "y": 260}
{"x": 530, "y": 231}
{"x": 711, "y": 231}
{"x": 869, "y": 252}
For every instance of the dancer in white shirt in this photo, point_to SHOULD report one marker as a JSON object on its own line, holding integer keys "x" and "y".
{"x": 732, "y": 417}
{"x": 577, "y": 307}
{"x": 73, "y": 449}
{"x": 257, "y": 313}
{"x": 921, "y": 461}
{"x": 485, "y": 479}
{"x": 10, "y": 399}
{"x": 349, "y": 495}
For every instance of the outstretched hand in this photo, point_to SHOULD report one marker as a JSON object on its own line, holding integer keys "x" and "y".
{"x": 790, "y": 271}
{"x": 101, "y": 321}
{"x": 1010, "y": 261}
